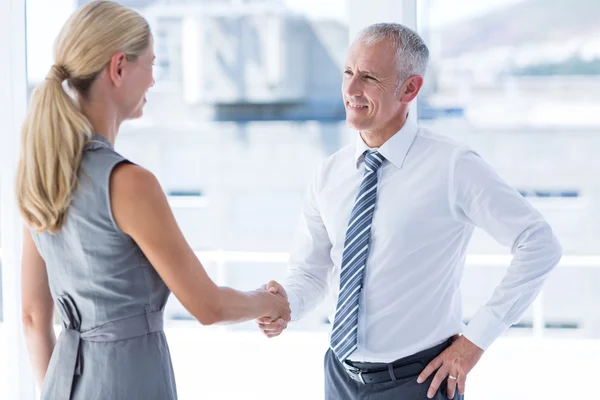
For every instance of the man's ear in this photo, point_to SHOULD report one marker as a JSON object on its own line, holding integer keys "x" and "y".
{"x": 410, "y": 88}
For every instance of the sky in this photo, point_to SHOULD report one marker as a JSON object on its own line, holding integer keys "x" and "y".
{"x": 45, "y": 18}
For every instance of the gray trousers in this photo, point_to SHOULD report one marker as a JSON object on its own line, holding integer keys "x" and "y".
{"x": 339, "y": 386}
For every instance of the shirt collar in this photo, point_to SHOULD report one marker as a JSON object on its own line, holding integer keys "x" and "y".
{"x": 98, "y": 141}
{"x": 395, "y": 149}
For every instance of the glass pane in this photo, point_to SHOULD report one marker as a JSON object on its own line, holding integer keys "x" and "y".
{"x": 518, "y": 81}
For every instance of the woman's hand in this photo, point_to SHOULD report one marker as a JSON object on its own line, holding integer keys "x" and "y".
{"x": 276, "y": 305}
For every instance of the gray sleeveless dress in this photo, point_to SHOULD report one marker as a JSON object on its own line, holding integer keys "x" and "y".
{"x": 109, "y": 297}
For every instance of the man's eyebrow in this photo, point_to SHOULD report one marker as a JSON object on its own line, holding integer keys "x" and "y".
{"x": 363, "y": 72}
{"x": 366, "y": 72}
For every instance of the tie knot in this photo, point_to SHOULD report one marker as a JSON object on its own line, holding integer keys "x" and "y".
{"x": 373, "y": 160}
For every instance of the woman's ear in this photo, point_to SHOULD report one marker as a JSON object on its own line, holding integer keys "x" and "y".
{"x": 116, "y": 68}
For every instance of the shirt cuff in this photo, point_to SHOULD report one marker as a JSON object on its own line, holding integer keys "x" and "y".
{"x": 294, "y": 304}
{"x": 484, "y": 328}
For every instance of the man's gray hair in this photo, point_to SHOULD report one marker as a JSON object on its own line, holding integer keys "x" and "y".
{"x": 412, "y": 55}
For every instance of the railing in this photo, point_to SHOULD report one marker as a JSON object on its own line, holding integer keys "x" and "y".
{"x": 221, "y": 258}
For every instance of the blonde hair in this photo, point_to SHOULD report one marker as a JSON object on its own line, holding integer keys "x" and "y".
{"x": 55, "y": 131}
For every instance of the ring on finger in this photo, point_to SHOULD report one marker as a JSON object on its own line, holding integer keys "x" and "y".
{"x": 452, "y": 377}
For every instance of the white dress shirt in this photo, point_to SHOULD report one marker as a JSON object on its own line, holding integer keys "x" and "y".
{"x": 432, "y": 192}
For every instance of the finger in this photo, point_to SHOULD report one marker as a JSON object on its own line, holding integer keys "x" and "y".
{"x": 270, "y": 335}
{"x": 272, "y": 327}
{"x": 268, "y": 323}
{"x": 462, "y": 383}
{"x": 264, "y": 320}
{"x": 273, "y": 286}
{"x": 432, "y": 366}
{"x": 269, "y": 328}
{"x": 279, "y": 323}
{"x": 439, "y": 377}
{"x": 451, "y": 385}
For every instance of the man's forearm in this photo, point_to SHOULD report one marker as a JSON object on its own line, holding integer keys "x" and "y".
{"x": 535, "y": 255}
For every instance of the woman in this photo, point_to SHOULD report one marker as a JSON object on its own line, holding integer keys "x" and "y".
{"x": 100, "y": 240}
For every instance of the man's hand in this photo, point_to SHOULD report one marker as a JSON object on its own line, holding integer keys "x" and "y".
{"x": 268, "y": 327}
{"x": 454, "y": 362}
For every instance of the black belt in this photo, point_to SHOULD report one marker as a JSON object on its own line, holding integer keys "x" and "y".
{"x": 403, "y": 368}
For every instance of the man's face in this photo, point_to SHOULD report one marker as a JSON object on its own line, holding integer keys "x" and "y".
{"x": 369, "y": 86}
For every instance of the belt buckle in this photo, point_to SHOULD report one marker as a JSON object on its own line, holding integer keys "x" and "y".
{"x": 358, "y": 372}
{"x": 361, "y": 378}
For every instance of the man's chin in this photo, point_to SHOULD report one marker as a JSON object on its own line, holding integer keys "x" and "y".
{"x": 356, "y": 125}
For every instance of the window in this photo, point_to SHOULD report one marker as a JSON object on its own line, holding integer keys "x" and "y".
{"x": 515, "y": 79}
{"x": 245, "y": 106}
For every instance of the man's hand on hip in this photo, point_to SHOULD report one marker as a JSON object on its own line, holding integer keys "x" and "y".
{"x": 455, "y": 363}
{"x": 268, "y": 327}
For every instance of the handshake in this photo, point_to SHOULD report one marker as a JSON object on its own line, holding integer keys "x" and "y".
{"x": 273, "y": 325}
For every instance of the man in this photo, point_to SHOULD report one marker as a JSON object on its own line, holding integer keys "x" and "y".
{"x": 386, "y": 223}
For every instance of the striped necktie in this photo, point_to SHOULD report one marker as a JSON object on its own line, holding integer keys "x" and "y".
{"x": 344, "y": 335}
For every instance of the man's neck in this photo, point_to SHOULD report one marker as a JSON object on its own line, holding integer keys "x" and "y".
{"x": 376, "y": 138}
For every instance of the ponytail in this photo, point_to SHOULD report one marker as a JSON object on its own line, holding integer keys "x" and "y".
{"x": 52, "y": 140}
